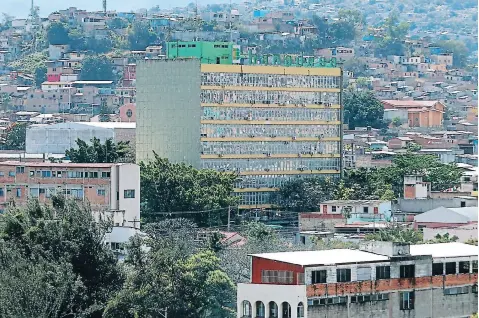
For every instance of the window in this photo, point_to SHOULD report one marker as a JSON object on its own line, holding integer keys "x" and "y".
{"x": 333, "y": 209}
{"x": 246, "y": 305}
{"x": 300, "y": 311}
{"x": 406, "y": 271}
{"x": 11, "y": 173}
{"x": 383, "y": 272}
{"x": 34, "y": 193}
{"x": 1, "y": 192}
{"x": 129, "y": 113}
{"x": 364, "y": 273}
{"x": 101, "y": 192}
{"x": 105, "y": 174}
{"x": 474, "y": 266}
{"x": 59, "y": 174}
{"x": 365, "y": 209}
{"x": 463, "y": 267}
{"x": 343, "y": 275}
{"x": 450, "y": 268}
{"x": 277, "y": 277}
{"x": 46, "y": 174}
{"x": 300, "y": 278}
{"x": 463, "y": 204}
{"x": 260, "y": 310}
{"x": 19, "y": 192}
{"x": 456, "y": 290}
{"x": 2, "y": 174}
{"x": 129, "y": 194}
{"x": 318, "y": 277}
{"x": 92, "y": 175}
{"x": 20, "y": 169}
{"x": 407, "y": 300}
{"x": 437, "y": 269}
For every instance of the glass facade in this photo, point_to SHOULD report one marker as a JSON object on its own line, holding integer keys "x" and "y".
{"x": 270, "y": 128}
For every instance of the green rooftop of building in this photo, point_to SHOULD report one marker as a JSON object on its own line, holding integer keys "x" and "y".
{"x": 207, "y": 52}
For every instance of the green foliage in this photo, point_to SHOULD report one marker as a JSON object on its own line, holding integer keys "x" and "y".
{"x": 396, "y": 122}
{"x": 57, "y": 33}
{"x": 175, "y": 274}
{"x": 77, "y": 39}
{"x": 472, "y": 241}
{"x": 338, "y": 32}
{"x": 176, "y": 187}
{"x": 99, "y": 46}
{"x": 97, "y": 68}
{"x": 396, "y": 234}
{"x": 445, "y": 238}
{"x": 413, "y": 147}
{"x": 304, "y": 195}
{"x": 140, "y": 36}
{"x": 117, "y": 23}
{"x": 96, "y": 152}
{"x": 356, "y": 66}
{"x": 458, "y": 49}
{"x": 5, "y": 101}
{"x": 395, "y": 33}
{"x": 362, "y": 109}
{"x": 54, "y": 262}
{"x": 40, "y": 75}
{"x": 15, "y": 137}
{"x": 30, "y": 63}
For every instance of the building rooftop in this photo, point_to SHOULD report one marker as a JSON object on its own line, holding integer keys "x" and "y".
{"x": 110, "y": 124}
{"x": 354, "y": 202}
{"x": 445, "y": 250}
{"x": 448, "y": 215}
{"x": 411, "y": 103}
{"x": 325, "y": 257}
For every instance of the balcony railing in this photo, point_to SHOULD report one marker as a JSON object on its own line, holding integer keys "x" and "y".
{"x": 393, "y": 284}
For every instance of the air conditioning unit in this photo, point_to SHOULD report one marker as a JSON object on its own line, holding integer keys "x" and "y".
{"x": 294, "y": 137}
{"x": 266, "y": 169}
{"x": 268, "y": 154}
{"x": 220, "y": 155}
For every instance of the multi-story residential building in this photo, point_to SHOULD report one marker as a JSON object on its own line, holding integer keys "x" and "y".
{"x": 382, "y": 279}
{"x": 268, "y": 124}
{"x": 112, "y": 189}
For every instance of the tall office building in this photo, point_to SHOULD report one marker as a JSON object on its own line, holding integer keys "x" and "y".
{"x": 268, "y": 124}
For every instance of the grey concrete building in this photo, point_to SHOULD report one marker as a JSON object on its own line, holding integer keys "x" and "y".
{"x": 168, "y": 110}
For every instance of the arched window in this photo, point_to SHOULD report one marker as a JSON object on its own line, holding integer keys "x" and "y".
{"x": 129, "y": 113}
{"x": 246, "y": 309}
{"x": 300, "y": 311}
{"x": 272, "y": 310}
{"x": 286, "y": 310}
{"x": 259, "y": 309}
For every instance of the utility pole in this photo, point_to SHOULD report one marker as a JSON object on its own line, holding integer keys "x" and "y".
{"x": 229, "y": 217}
{"x": 104, "y": 6}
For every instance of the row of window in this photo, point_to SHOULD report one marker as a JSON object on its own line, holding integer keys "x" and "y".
{"x": 344, "y": 299}
{"x": 277, "y": 277}
{"x": 269, "y": 80}
{"x": 75, "y": 193}
{"x": 246, "y": 130}
{"x": 272, "y": 310}
{"x": 237, "y": 113}
{"x": 384, "y": 272}
{"x": 60, "y": 173}
{"x": 285, "y": 164}
{"x": 272, "y": 147}
{"x": 272, "y": 181}
{"x": 268, "y": 97}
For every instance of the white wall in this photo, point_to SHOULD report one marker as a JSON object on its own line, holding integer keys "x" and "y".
{"x": 463, "y": 234}
{"x": 129, "y": 179}
{"x": 293, "y": 294}
{"x": 60, "y": 137}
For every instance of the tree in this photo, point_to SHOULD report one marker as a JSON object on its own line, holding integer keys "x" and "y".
{"x": 177, "y": 187}
{"x": 99, "y": 46}
{"x": 57, "y": 33}
{"x": 395, "y": 33}
{"x": 77, "y": 39}
{"x": 105, "y": 114}
{"x": 356, "y": 66}
{"x": 30, "y": 63}
{"x": 15, "y": 137}
{"x": 458, "y": 49}
{"x": 5, "y": 101}
{"x": 96, "y": 152}
{"x": 413, "y": 147}
{"x": 117, "y": 23}
{"x": 97, "y": 68}
{"x": 445, "y": 238}
{"x": 396, "y": 234}
{"x": 61, "y": 250}
{"x": 176, "y": 275}
{"x": 40, "y": 75}
{"x": 396, "y": 122}
{"x": 304, "y": 195}
{"x": 140, "y": 36}
{"x": 363, "y": 109}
